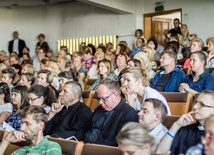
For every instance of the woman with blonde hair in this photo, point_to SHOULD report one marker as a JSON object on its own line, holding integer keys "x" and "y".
{"x": 105, "y": 70}
{"x": 137, "y": 87}
{"x": 146, "y": 63}
{"x": 54, "y": 69}
{"x": 183, "y": 38}
{"x": 28, "y": 68}
{"x": 150, "y": 52}
{"x": 63, "y": 64}
{"x": 134, "y": 139}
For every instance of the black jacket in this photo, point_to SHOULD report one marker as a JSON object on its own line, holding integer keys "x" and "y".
{"x": 71, "y": 121}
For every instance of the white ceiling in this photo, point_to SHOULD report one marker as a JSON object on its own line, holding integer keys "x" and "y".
{"x": 25, "y": 3}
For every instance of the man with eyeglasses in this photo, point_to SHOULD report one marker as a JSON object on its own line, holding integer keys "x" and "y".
{"x": 185, "y": 132}
{"x": 110, "y": 116}
{"x": 69, "y": 118}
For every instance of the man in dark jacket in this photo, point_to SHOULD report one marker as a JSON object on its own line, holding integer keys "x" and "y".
{"x": 69, "y": 118}
{"x": 16, "y": 45}
{"x": 110, "y": 116}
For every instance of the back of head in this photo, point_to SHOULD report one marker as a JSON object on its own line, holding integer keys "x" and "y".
{"x": 4, "y": 89}
{"x": 144, "y": 59}
{"x": 39, "y": 113}
{"x": 134, "y": 134}
{"x": 158, "y": 106}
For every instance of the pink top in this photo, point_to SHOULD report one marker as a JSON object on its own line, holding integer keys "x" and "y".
{"x": 187, "y": 63}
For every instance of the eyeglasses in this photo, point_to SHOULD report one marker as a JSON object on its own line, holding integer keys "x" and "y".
{"x": 201, "y": 104}
{"x": 32, "y": 99}
{"x": 104, "y": 98}
{"x": 208, "y": 139}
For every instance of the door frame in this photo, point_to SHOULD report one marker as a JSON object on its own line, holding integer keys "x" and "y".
{"x": 147, "y": 22}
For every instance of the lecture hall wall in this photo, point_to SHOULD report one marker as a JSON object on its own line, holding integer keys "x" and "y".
{"x": 79, "y": 19}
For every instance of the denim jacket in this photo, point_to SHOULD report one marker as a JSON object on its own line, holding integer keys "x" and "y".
{"x": 176, "y": 79}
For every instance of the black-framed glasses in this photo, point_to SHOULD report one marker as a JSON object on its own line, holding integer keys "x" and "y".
{"x": 201, "y": 104}
{"x": 32, "y": 99}
{"x": 104, "y": 98}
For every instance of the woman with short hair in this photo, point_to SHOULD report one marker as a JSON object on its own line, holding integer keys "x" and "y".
{"x": 200, "y": 79}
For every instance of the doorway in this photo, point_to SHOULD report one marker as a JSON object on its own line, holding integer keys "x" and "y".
{"x": 159, "y": 23}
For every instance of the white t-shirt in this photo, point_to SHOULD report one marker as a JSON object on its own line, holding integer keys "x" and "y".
{"x": 7, "y": 107}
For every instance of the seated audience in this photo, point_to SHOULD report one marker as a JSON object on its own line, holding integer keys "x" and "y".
{"x": 70, "y": 75}
{"x": 197, "y": 44}
{"x": 54, "y": 69}
{"x": 185, "y": 132}
{"x": 17, "y": 69}
{"x": 38, "y": 95}
{"x": 63, "y": 64}
{"x": 138, "y": 34}
{"x": 27, "y": 79}
{"x": 169, "y": 77}
{"x": 34, "y": 120}
{"x": 69, "y": 118}
{"x": 139, "y": 46}
{"x": 2, "y": 66}
{"x": 88, "y": 58}
{"x": 151, "y": 55}
{"x": 152, "y": 115}
{"x": 8, "y": 75}
{"x": 146, "y": 63}
{"x": 210, "y": 58}
{"x": 14, "y": 59}
{"x": 77, "y": 65}
{"x": 111, "y": 115}
{"x": 133, "y": 63}
{"x": 207, "y": 139}
{"x": 45, "y": 78}
{"x": 36, "y": 61}
{"x": 200, "y": 79}
{"x": 152, "y": 43}
{"x": 137, "y": 88}
{"x": 6, "y": 107}
{"x": 111, "y": 55}
{"x": 92, "y": 73}
{"x": 105, "y": 71}
{"x": 64, "y": 53}
{"x": 6, "y": 61}
{"x": 121, "y": 60}
{"x": 19, "y": 100}
{"x": 133, "y": 139}
{"x": 28, "y": 68}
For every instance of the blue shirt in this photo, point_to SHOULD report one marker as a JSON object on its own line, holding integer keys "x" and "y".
{"x": 205, "y": 82}
{"x": 176, "y": 79}
{"x": 14, "y": 120}
{"x": 136, "y": 50}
